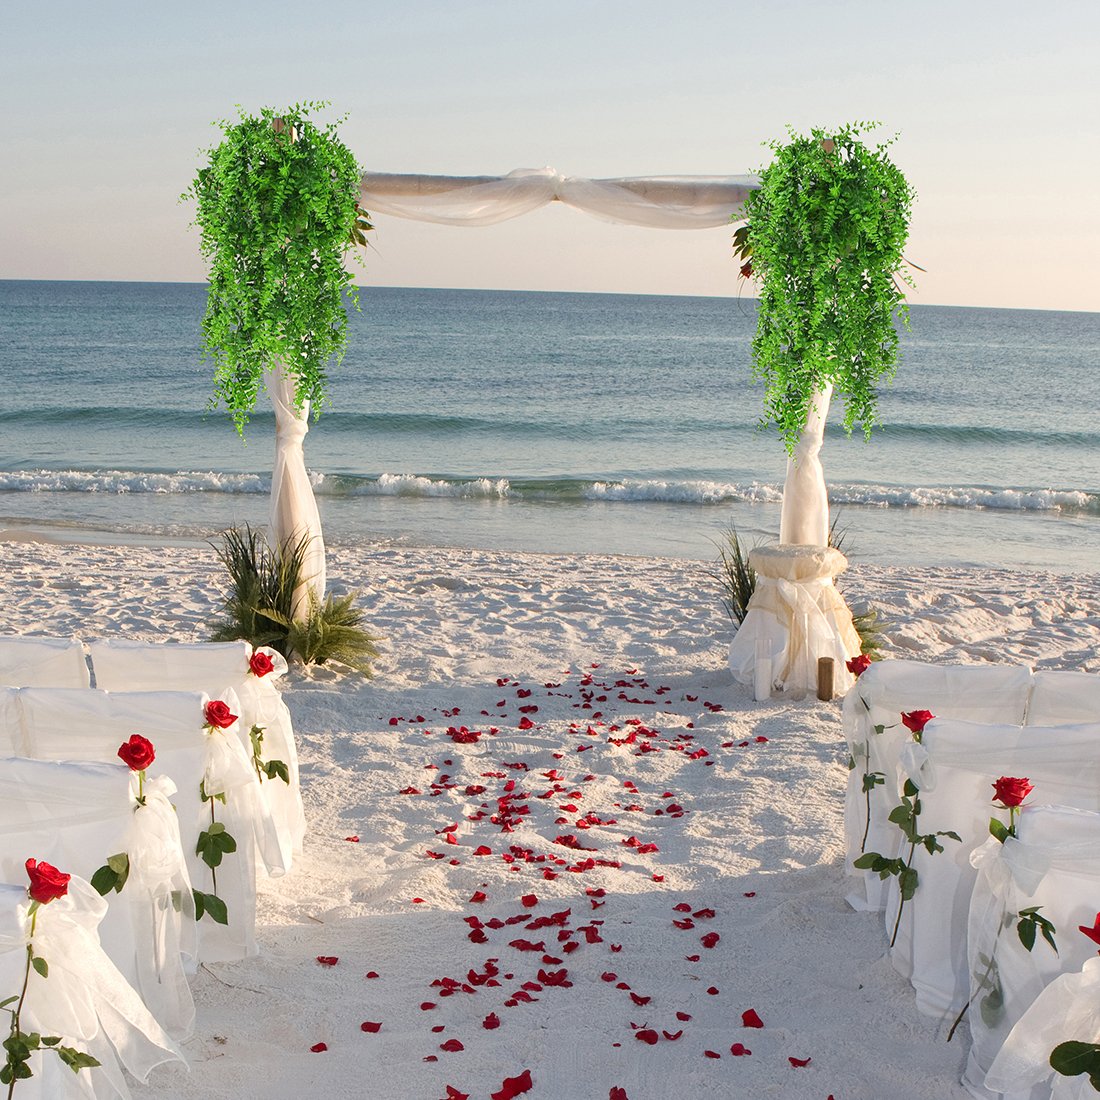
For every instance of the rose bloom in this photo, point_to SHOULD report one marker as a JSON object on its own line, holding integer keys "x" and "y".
{"x": 137, "y": 753}
{"x": 260, "y": 664}
{"x": 218, "y": 714}
{"x": 1011, "y": 792}
{"x": 857, "y": 666}
{"x": 47, "y": 882}
{"x": 916, "y": 720}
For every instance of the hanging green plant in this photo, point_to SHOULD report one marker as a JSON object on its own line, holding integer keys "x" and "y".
{"x": 824, "y": 240}
{"x": 278, "y": 209}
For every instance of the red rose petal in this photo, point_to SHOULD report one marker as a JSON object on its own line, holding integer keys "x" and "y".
{"x": 328, "y": 960}
{"x": 370, "y": 1027}
{"x": 683, "y": 1016}
{"x": 418, "y": 901}
{"x": 353, "y": 839}
{"x": 672, "y": 1036}
{"x": 712, "y": 1054}
{"x": 749, "y": 1018}
{"x": 710, "y": 939}
{"x": 739, "y": 1050}
{"x": 317, "y": 1048}
{"x": 478, "y": 895}
{"x": 617, "y": 1093}
{"x": 647, "y": 1035}
{"x": 713, "y": 991}
{"x": 427, "y": 1006}
{"x": 452, "y": 1046}
{"x": 371, "y": 974}
{"x": 798, "y": 1062}
{"x": 454, "y": 1094}
{"x": 514, "y": 1086}
{"x": 491, "y": 1021}
{"x": 529, "y": 900}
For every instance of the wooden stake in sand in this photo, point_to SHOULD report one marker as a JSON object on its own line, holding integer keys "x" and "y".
{"x": 825, "y": 669}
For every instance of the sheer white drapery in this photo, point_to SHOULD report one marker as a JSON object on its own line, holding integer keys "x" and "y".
{"x": 294, "y": 513}
{"x": 804, "y": 520}
{"x": 659, "y": 202}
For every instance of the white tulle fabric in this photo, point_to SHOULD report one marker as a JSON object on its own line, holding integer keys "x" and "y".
{"x": 294, "y": 513}
{"x": 955, "y": 766}
{"x": 43, "y": 662}
{"x": 797, "y": 614}
{"x": 1063, "y": 698}
{"x": 977, "y": 693}
{"x": 122, "y": 665}
{"x": 1055, "y": 864}
{"x": 1068, "y": 1009}
{"x": 804, "y": 520}
{"x": 84, "y": 999}
{"x": 77, "y": 815}
{"x": 659, "y": 202}
{"x": 65, "y": 725}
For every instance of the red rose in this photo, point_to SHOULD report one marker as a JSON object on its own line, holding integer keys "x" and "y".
{"x": 1093, "y": 933}
{"x": 218, "y": 714}
{"x": 47, "y": 882}
{"x": 916, "y": 720}
{"x": 857, "y": 666}
{"x": 137, "y": 753}
{"x": 260, "y": 663}
{"x": 1011, "y": 792}
{"x": 746, "y": 270}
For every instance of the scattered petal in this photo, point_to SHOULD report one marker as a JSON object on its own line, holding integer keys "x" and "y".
{"x": 749, "y": 1018}
{"x": 452, "y": 1046}
{"x": 739, "y": 1050}
{"x": 317, "y": 1048}
{"x": 647, "y": 1035}
{"x": 491, "y": 1022}
{"x": 514, "y": 1086}
{"x": 370, "y": 1027}
{"x": 798, "y": 1063}
{"x": 328, "y": 960}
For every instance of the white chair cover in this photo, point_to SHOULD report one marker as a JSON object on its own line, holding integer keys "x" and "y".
{"x": 980, "y": 693}
{"x": 63, "y": 725}
{"x": 799, "y": 615}
{"x": 122, "y": 665}
{"x": 11, "y": 729}
{"x": 955, "y": 766}
{"x": 77, "y": 815}
{"x": 1063, "y": 698}
{"x": 1068, "y": 1009}
{"x": 84, "y": 998}
{"x": 43, "y": 662}
{"x": 1055, "y": 864}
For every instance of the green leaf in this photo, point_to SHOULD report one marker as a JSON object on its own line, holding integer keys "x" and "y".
{"x": 1026, "y": 931}
{"x": 867, "y": 861}
{"x": 104, "y": 880}
{"x": 9, "y": 1001}
{"x": 908, "y": 881}
{"x": 50, "y": 1040}
{"x": 998, "y": 829}
{"x": 76, "y": 1060}
{"x": 879, "y": 728}
{"x": 40, "y": 966}
{"x": 277, "y": 769}
{"x": 200, "y": 903}
{"x": 216, "y": 909}
{"x": 1073, "y": 1058}
{"x": 992, "y": 1007}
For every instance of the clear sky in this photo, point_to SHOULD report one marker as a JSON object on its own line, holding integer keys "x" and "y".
{"x": 107, "y": 106}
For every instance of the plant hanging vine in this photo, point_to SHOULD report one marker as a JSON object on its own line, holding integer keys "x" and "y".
{"x": 824, "y": 240}
{"x": 278, "y": 208}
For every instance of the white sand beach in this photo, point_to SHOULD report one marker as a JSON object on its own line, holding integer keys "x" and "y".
{"x": 554, "y": 837}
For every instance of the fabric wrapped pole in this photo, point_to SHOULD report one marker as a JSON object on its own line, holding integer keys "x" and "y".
{"x": 294, "y": 514}
{"x": 658, "y": 202}
{"x": 84, "y": 999}
{"x": 43, "y": 662}
{"x": 76, "y": 816}
{"x": 214, "y": 667}
{"x": 1068, "y": 1009}
{"x": 875, "y": 735}
{"x": 955, "y": 766}
{"x": 798, "y": 614}
{"x": 1053, "y": 864}
{"x": 804, "y": 520}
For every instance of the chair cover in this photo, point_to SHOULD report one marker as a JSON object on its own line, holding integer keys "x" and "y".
{"x": 11, "y": 729}
{"x": 1068, "y": 1009}
{"x": 1063, "y": 698}
{"x": 43, "y": 662}
{"x": 1055, "y": 864}
{"x": 122, "y": 665}
{"x": 77, "y": 815}
{"x": 955, "y": 766}
{"x": 84, "y": 999}
{"x": 63, "y": 725}
{"x": 980, "y": 693}
{"x": 799, "y": 615}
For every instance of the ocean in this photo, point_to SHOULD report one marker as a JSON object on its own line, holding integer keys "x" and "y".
{"x": 550, "y": 422}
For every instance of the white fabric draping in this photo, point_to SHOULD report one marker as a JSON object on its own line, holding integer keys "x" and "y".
{"x": 43, "y": 662}
{"x": 66, "y": 725}
{"x": 84, "y": 998}
{"x": 875, "y": 735}
{"x": 1054, "y": 863}
{"x": 955, "y": 766}
{"x": 1068, "y": 1009}
{"x": 798, "y": 615}
{"x": 659, "y": 202}
{"x": 1063, "y": 698}
{"x": 11, "y": 732}
{"x": 294, "y": 513}
{"x": 124, "y": 665}
{"x": 77, "y": 815}
{"x": 804, "y": 520}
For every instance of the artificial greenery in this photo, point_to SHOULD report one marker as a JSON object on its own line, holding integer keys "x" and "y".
{"x": 277, "y": 208}
{"x": 1073, "y": 1058}
{"x": 259, "y": 607}
{"x": 824, "y": 239}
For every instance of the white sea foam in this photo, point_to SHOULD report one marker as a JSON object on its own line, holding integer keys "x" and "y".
{"x": 683, "y": 492}
{"x": 413, "y": 486}
{"x": 130, "y": 481}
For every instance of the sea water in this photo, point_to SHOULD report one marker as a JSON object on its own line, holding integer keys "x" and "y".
{"x": 551, "y": 422}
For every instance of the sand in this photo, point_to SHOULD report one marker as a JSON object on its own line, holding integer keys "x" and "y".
{"x": 660, "y": 853}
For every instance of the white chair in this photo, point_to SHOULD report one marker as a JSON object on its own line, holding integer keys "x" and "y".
{"x": 1063, "y": 698}
{"x": 955, "y": 766}
{"x": 43, "y": 662}
{"x": 65, "y": 725}
{"x": 123, "y": 665}
{"x": 1068, "y": 1009}
{"x": 11, "y": 729}
{"x": 76, "y": 816}
{"x": 875, "y": 735}
{"x": 1054, "y": 863}
{"x": 83, "y": 999}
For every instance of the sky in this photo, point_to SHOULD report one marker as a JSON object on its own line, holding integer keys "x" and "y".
{"x": 108, "y": 109}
